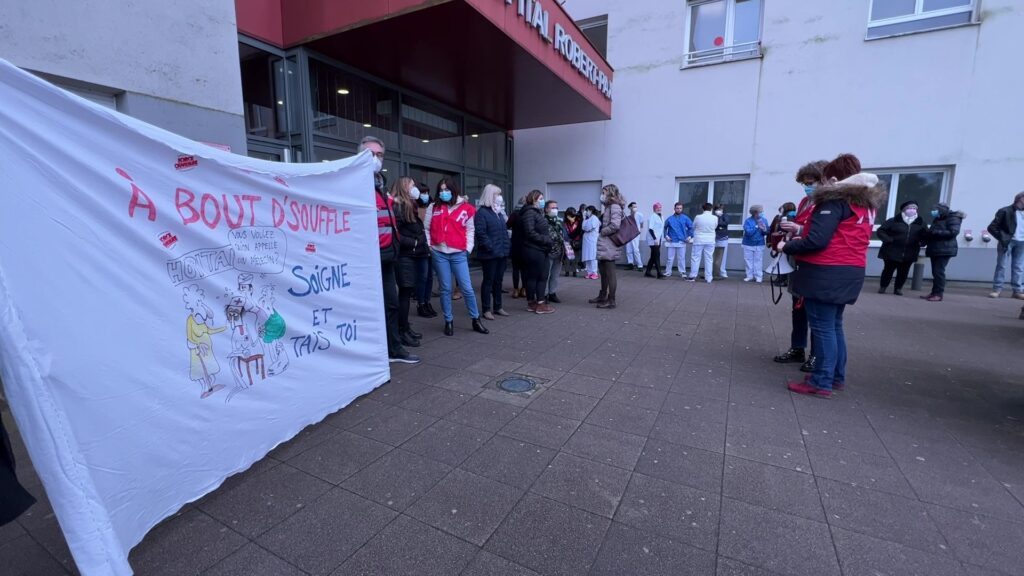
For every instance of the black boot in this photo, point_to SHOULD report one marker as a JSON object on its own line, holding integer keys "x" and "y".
{"x": 478, "y": 326}
{"x": 791, "y": 355}
{"x": 599, "y": 300}
{"x": 608, "y": 304}
{"x": 809, "y": 365}
{"x": 413, "y": 333}
{"x": 408, "y": 340}
{"x": 449, "y": 328}
{"x": 554, "y": 298}
{"x": 430, "y": 308}
{"x": 422, "y": 312}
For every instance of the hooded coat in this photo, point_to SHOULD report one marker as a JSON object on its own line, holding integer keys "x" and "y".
{"x": 832, "y": 255}
{"x": 611, "y": 219}
{"x": 943, "y": 232}
{"x": 901, "y": 242}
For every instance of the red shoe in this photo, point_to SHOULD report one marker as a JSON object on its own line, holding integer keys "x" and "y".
{"x": 531, "y": 306}
{"x": 838, "y": 386}
{"x": 932, "y": 298}
{"x": 808, "y": 389}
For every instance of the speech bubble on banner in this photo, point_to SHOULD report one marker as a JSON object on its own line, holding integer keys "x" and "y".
{"x": 259, "y": 249}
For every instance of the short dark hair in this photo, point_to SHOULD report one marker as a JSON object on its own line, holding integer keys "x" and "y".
{"x": 844, "y": 166}
{"x": 788, "y": 207}
{"x": 592, "y": 209}
{"x": 706, "y": 206}
{"x": 811, "y": 170}
{"x": 549, "y": 202}
{"x": 631, "y": 204}
{"x": 531, "y": 197}
{"x": 570, "y": 211}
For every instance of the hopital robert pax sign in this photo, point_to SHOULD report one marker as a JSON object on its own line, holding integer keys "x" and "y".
{"x": 535, "y": 16}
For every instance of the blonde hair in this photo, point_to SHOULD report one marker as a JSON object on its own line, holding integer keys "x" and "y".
{"x": 489, "y": 194}
{"x": 613, "y": 195}
{"x": 404, "y": 206}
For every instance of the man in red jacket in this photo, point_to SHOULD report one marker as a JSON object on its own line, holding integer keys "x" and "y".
{"x": 388, "y": 239}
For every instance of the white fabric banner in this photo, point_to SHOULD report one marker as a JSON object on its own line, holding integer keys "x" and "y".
{"x": 170, "y": 312}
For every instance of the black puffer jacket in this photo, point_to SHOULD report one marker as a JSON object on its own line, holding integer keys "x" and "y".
{"x": 534, "y": 228}
{"x": 901, "y": 242}
{"x": 411, "y": 236}
{"x": 943, "y": 232}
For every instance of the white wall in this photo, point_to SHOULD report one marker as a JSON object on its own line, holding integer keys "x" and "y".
{"x": 949, "y": 97}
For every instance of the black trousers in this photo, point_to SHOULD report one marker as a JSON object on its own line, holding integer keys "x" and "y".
{"x": 654, "y": 261}
{"x": 517, "y": 272}
{"x": 535, "y": 273}
{"x": 490, "y": 287}
{"x": 390, "y": 285}
{"x": 939, "y": 274}
{"x": 798, "y": 337}
{"x": 608, "y": 280}
{"x": 405, "y": 296}
{"x": 902, "y": 270}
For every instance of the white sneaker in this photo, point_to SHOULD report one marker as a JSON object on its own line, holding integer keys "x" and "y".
{"x": 993, "y": 294}
{"x": 758, "y": 280}
{"x": 748, "y": 279}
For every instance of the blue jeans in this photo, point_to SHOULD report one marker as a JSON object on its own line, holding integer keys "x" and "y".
{"x": 1012, "y": 254}
{"x": 424, "y": 280}
{"x": 826, "y": 322}
{"x": 446, "y": 266}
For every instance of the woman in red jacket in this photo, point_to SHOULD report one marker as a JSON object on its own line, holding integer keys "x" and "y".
{"x": 451, "y": 234}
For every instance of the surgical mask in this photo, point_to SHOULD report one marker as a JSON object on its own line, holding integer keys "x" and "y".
{"x": 603, "y": 198}
{"x": 378, "y": 164}
{"x": 553, "y": 212}
{"x": 935, "y": 213}
{"x": 499, "y": 206}
{"x": 633, "y": 209}
{"x": 445, "y": 195}
{"x": 587, "y": 213}
{"x": 808, "y": 189}
{"x": 424, "y": 198}
{"x": 791, "y": 214}
{"x": 910, "y": 213}
{"x": 414, "y": 192}
{"x": 718, "y": 212}
{"x": 540, "y": 203}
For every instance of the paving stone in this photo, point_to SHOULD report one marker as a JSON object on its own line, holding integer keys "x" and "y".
{"x": 187, "y": 543}
{"x": 777, "y": 447}
{"x": 826, "y": 433}
{"x": 309, "y": 437}
{"x": 642, "y": 397}
{"x": 863, "y": 555}
{"x": 684, "y": 465}
{"x": 22, "y": 556}
{"x": 351, "y": 415}
{"x": 393, "y": 426}
{"x": 758, "y": 417}
{"x": 471, "y": 383}
{"x": 541, "y": 429}
{"x": 627, "y": 550}
{"x": 775, "y": 541}
{"x": 688, "y": 404}
{"x": 11, "y": 531}
{"x": 466, "y": 505}
{"x": 730, "y": 567}
{"x": 651, "y": 378}
{"x": 672, "y": 510}
{"x": 696, "y": 429}
{"x": 881, "y": 515}
{"x": 484, "y": 414}
{"x": 586, "y": 385}
{"x": 251, "y": 560}
{"x": 982, "y": 540}
{"x": 339, "y": 457}
{"x": 436, "y": 402}
{"x": 583, "y": 484}
{"x": 623, "y": 417}
{"x": 510, "y": 461}
{"x": 492, "y": 367}
{"x": 607, "y": 446}
{"x": 409, "y": 548}
{"x": 397, "y": 479}
{"x": 564, "y": 404}
{"x": 319, "y": 538}
{"x": 773, "y": 488}
{"x": 262, "y": 500}
{"x": 487, "y": 564}
{"x": 702, "y": 380}
{"x": 549, "y": 537}
{"x": 447, "y": 442}
{"x": 869, "y": 470}
{"x": 399, "y": 388}
{"x": 51, "y": 538}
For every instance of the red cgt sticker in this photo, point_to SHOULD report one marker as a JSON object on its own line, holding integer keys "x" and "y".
{"x": 186, "y": 162}
{"x": 168, "y": 240}
{"x": 311, "y": 248}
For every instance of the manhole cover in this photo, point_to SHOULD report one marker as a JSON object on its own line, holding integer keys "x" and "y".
{"x": 517, "y": 384}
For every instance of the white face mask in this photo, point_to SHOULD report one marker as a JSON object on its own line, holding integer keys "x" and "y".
{"x": 414, "y": 192}
{"x": 553, "y": 211}
{"x": 718, "y": 212}
{"x": 499, "y": 205}
{"x": 378, "y": 164}
{"x": 603, "y": 198}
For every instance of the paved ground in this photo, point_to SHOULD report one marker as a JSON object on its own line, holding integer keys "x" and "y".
{"x": 663, "y": 441}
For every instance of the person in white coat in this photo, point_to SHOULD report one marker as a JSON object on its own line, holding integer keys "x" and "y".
{"x": 703, "y": 243}
{"x": 633, "y": 248}
{"x": 655, "y": 230}
{"x": 591, "y": 229}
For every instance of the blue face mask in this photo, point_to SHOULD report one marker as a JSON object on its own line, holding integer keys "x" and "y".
{"x": 808, "y": 189}
{"x": 791, "y": 214}
{"x": 424, "y": 198}
{"x": 445, "y": 195}
{"x": 935, "y": 213}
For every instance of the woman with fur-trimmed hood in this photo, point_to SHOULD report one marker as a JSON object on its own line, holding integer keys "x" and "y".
{"x": 831, "y": 252}
{"x": 942, "y": 246}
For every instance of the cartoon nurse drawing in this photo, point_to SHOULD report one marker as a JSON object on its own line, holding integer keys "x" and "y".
{"x": 203, "y": 366}
{"x": 273, "y": 330}
{"x": 246, "y": 319}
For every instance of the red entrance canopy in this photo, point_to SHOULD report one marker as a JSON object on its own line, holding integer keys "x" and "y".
{"x": 480, "y": 56}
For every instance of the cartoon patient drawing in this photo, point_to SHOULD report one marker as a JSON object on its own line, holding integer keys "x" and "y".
{"x": 198, "y": 328}
{"x": 273, "y": 330}
{"x": 246, "y": 320}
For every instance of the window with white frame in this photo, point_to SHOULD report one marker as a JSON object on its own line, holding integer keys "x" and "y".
{"x": 926, "y": 186}
{"x": 719, "y": 30}
{"x": 729, "y": 191}
{"x": 893, "y": 17}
